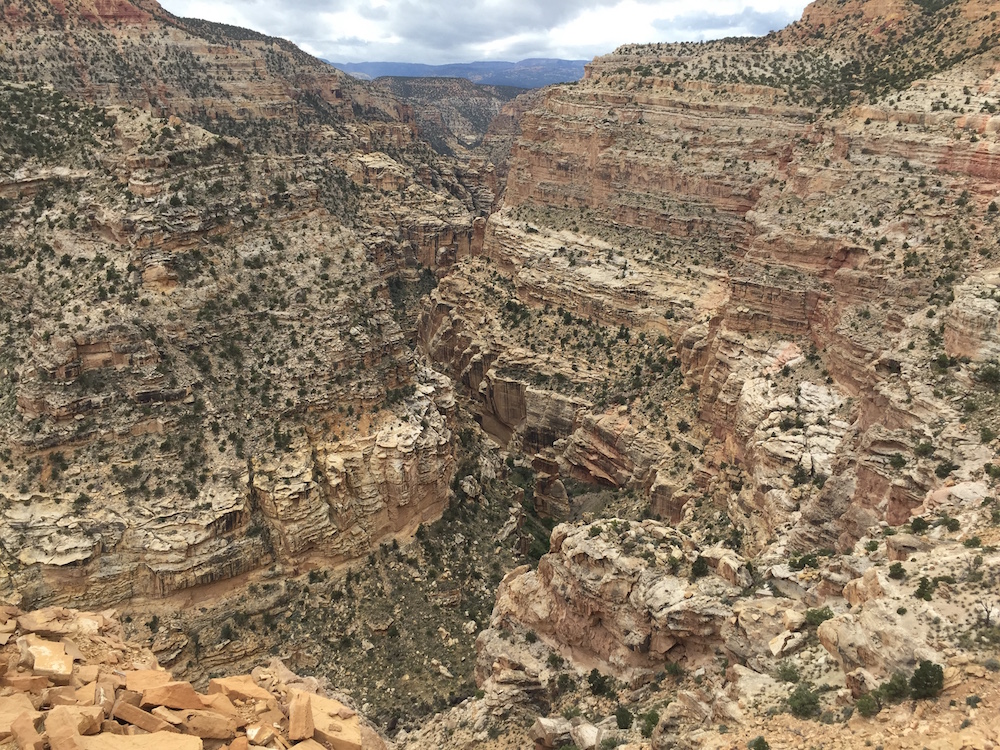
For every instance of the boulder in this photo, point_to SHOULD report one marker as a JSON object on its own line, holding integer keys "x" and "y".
{"x": 73, "y": 720}
{"x": 46, "y": 658}
{"x": 154, "y": 741}
{"x": 786, "y": 643}
{"x": 551, "y": 732}
{"x": 300, "y": 718}
{"x": 24, "y": 729}
{"x": 11, "y": 708}
{"x": 143, "y": 719}
{"x": 140, "y": 680}
{"x": 864, "y": 589}
{"x": 586, "y": 736}
{"x": 172, "y": 695}
{"x": 242, "y": 688}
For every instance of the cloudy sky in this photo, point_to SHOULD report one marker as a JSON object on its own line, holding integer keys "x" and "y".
{"x": 443, "y": 31}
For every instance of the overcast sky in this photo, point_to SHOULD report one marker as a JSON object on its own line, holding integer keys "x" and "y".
{"x": 443, "y": 31}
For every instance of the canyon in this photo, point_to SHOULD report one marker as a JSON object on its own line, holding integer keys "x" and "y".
{"x": 661, "y": 387}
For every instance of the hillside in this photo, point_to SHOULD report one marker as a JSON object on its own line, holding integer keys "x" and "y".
{"x": 452, "y": 114}
{"x": 665, "y": 401}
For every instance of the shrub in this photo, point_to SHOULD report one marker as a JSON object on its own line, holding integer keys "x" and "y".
{"x": 923, "y": 450}
{"x": 803, "y": 702}
{"x": 944, "y": 469}
{"x": 787, "y": 672}
{"x": 867, "y": 705}
{"x": 925, "y": 589}
{"x": 897, "y": 461}
{"x": 816, "y": 617}
{"x": 599, "y": 684}
{"x": 699, "y": 568}
{"x": 992, "y": 664}
{"x": 649, "y": 721}
{"x": 927, "y": 680}
{"x": 624, "y": 717}
{"x": 896, "y": 689}
{"x": 896, "y": 571}
{"x": 758, "y": 743}
{"x": 919, "y": 525}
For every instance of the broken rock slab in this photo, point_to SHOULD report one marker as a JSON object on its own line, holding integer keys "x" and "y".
{"x": 242, "y": 688}
{"x": 11, "y": 708}
{"x": 46, "y": 658}
{"x": 551, "y": 732}
{"x": 154, "y": 741}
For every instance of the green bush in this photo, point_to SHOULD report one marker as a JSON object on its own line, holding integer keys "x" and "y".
{"x": 925, "y": 589}
{"x": 919, "y": 525}
{"x": 896, "y": 571}
{"x": 803, "y": 702}
{"x": 867, "y": 705}
{"x": 699, "y": 568}
{"x": 816, "y": 617}
{"x": 788, "y": 673}
{"x": 599, "y": 684}
{"x": 649, "y": 721}
{"x": 927, "y": 680}
{"x": 758, "y": 743}
{"x": 624, "y": 717}
{"x": 896, "y": 689}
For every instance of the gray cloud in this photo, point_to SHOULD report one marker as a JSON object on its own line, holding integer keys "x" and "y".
{"x": 434, "y": 31}
{"x": 748, "y": 22}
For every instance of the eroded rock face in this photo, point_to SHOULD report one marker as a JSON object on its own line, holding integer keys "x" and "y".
{"x": 604, "y": 594}
{"x": 193, "y": 396}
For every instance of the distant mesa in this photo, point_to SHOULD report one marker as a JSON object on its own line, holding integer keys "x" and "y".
{"x": 526, "y": 74}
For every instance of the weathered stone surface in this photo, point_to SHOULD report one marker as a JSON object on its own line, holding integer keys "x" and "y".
{"x": 550, "y": 732}
{"x": 153, "y": 741}
{"x": 24, "y": 730}
{"x": 241, "y": 688}
{"x": 172, "y": 695}
{"x": 139, "y": 718}
{"x": 334, "y": 724}
{"x": 72, "y": 720}
{"x": 591, "y": 597}
{"x": 300, "y": 718}
{"x": 47, "y": 658}
{"x": 11, "y": 708}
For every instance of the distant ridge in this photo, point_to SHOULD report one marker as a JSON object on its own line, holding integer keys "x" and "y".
{"x": 526, "y": 74}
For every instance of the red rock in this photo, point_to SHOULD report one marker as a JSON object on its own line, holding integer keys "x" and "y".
{"x": 172, "y": 695}
{"x": 300, "y": 719}
{"x": 208, "y": 725}
{"x": 222, "y": 705}
{"x": 48, "y": 658}
{"x": 74, "y": 720}
{"x": 88, "y": 673}
{"x": 239, "y": 688}
{"x": 25, "y": 732}
{"x": 143, "y": 719}
{"x": 335, "y": 725}
{"x": 60, "y": 696}
{"x": 140, "y": 680}
{"x": 26, "y": 683}
{"x": 154, "y": 741}
{"x": 11, "y": 708}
